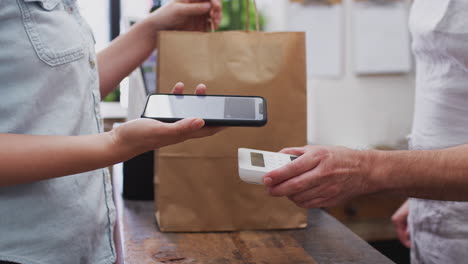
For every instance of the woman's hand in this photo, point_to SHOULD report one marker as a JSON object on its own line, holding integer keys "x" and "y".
{"x": 30, "y": 158}
{"x": 131, "y": 49}
{"x": 191, "y": 15}
{"x": 144, "y": 134}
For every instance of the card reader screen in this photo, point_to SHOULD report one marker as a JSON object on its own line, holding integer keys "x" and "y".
{"x": 257, "y": 159}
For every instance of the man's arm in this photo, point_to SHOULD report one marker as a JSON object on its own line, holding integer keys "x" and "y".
{"x": 431, "y": 174}
{"x": 325, "y": 176}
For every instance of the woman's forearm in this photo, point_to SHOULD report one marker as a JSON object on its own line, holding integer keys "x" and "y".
{"x": 430, "y": 174}
{"x": 27, "y": 158}
{"x": 125, "y": 54}
{"x": 128, "y": 51}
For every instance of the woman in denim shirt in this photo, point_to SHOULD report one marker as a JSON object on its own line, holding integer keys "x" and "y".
{"x": 51, "y": 82}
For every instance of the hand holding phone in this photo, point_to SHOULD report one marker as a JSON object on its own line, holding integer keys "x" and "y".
{"x": 216, "y": 110}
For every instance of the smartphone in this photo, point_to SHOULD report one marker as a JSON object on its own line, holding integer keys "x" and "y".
{"x": 216, "y": 110}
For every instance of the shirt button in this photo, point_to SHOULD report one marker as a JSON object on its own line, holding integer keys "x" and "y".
{"x": 70, "y": 9}
{"x": 92, "y": 63}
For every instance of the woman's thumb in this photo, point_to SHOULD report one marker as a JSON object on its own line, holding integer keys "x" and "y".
{"x": 187, "y": 126}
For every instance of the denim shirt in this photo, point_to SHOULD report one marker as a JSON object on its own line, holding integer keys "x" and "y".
{"x": 49, "y": 86}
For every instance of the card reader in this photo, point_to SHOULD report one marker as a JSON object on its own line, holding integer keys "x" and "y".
{"x": 254, "y": 164}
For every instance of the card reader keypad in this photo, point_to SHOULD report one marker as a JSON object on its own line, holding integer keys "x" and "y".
{"x": 276, "y": 161}
{"x": 254, "y": 164}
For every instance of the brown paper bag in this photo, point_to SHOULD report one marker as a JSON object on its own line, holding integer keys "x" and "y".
{"x": 197, "y": 182}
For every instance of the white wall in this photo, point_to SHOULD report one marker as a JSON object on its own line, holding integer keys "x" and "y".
{"x": 135, "y": 8}
{"x": 354, "y": 111}
{"x": 96, "y": 13}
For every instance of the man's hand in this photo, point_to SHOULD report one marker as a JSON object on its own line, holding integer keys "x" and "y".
{"x": 400, "y": 220}
{"x": 192, "y": 15}
{"x": 143, "y": 134}
{"x": 321, "y": 176}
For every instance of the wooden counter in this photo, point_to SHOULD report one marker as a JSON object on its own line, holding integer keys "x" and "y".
{"x": 325, "y": 240}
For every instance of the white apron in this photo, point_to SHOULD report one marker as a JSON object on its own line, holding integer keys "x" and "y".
{"x": 439, "y": 230}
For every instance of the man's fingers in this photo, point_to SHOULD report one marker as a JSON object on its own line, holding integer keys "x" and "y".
{"x": 404, "y": 237}
{"x": 297, "y": 151}
{"x": 315, "y": 203}
{"x": 407, "y": 241}
{"x": 178, "y": 88}
{"x": 308, "y": 194}
{"x": 292, "y": 169}
{"x": 400, "y": 220}
{"x": 306, "y": 183}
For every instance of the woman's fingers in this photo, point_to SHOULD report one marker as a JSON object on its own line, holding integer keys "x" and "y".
{"x": 200, "y": 89}
{"x": 178, "y": 88}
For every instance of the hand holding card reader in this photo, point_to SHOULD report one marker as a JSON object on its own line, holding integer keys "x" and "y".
{"x": 254, "y": 164}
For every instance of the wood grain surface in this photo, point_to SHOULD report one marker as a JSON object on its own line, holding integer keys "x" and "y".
{"x": 325, "y": 240}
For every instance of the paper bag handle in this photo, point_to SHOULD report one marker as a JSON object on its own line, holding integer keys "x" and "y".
{"x": 247, "y": 24}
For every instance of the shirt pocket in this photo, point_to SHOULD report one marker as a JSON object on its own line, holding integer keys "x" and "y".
{"x": 55, "y": 34}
